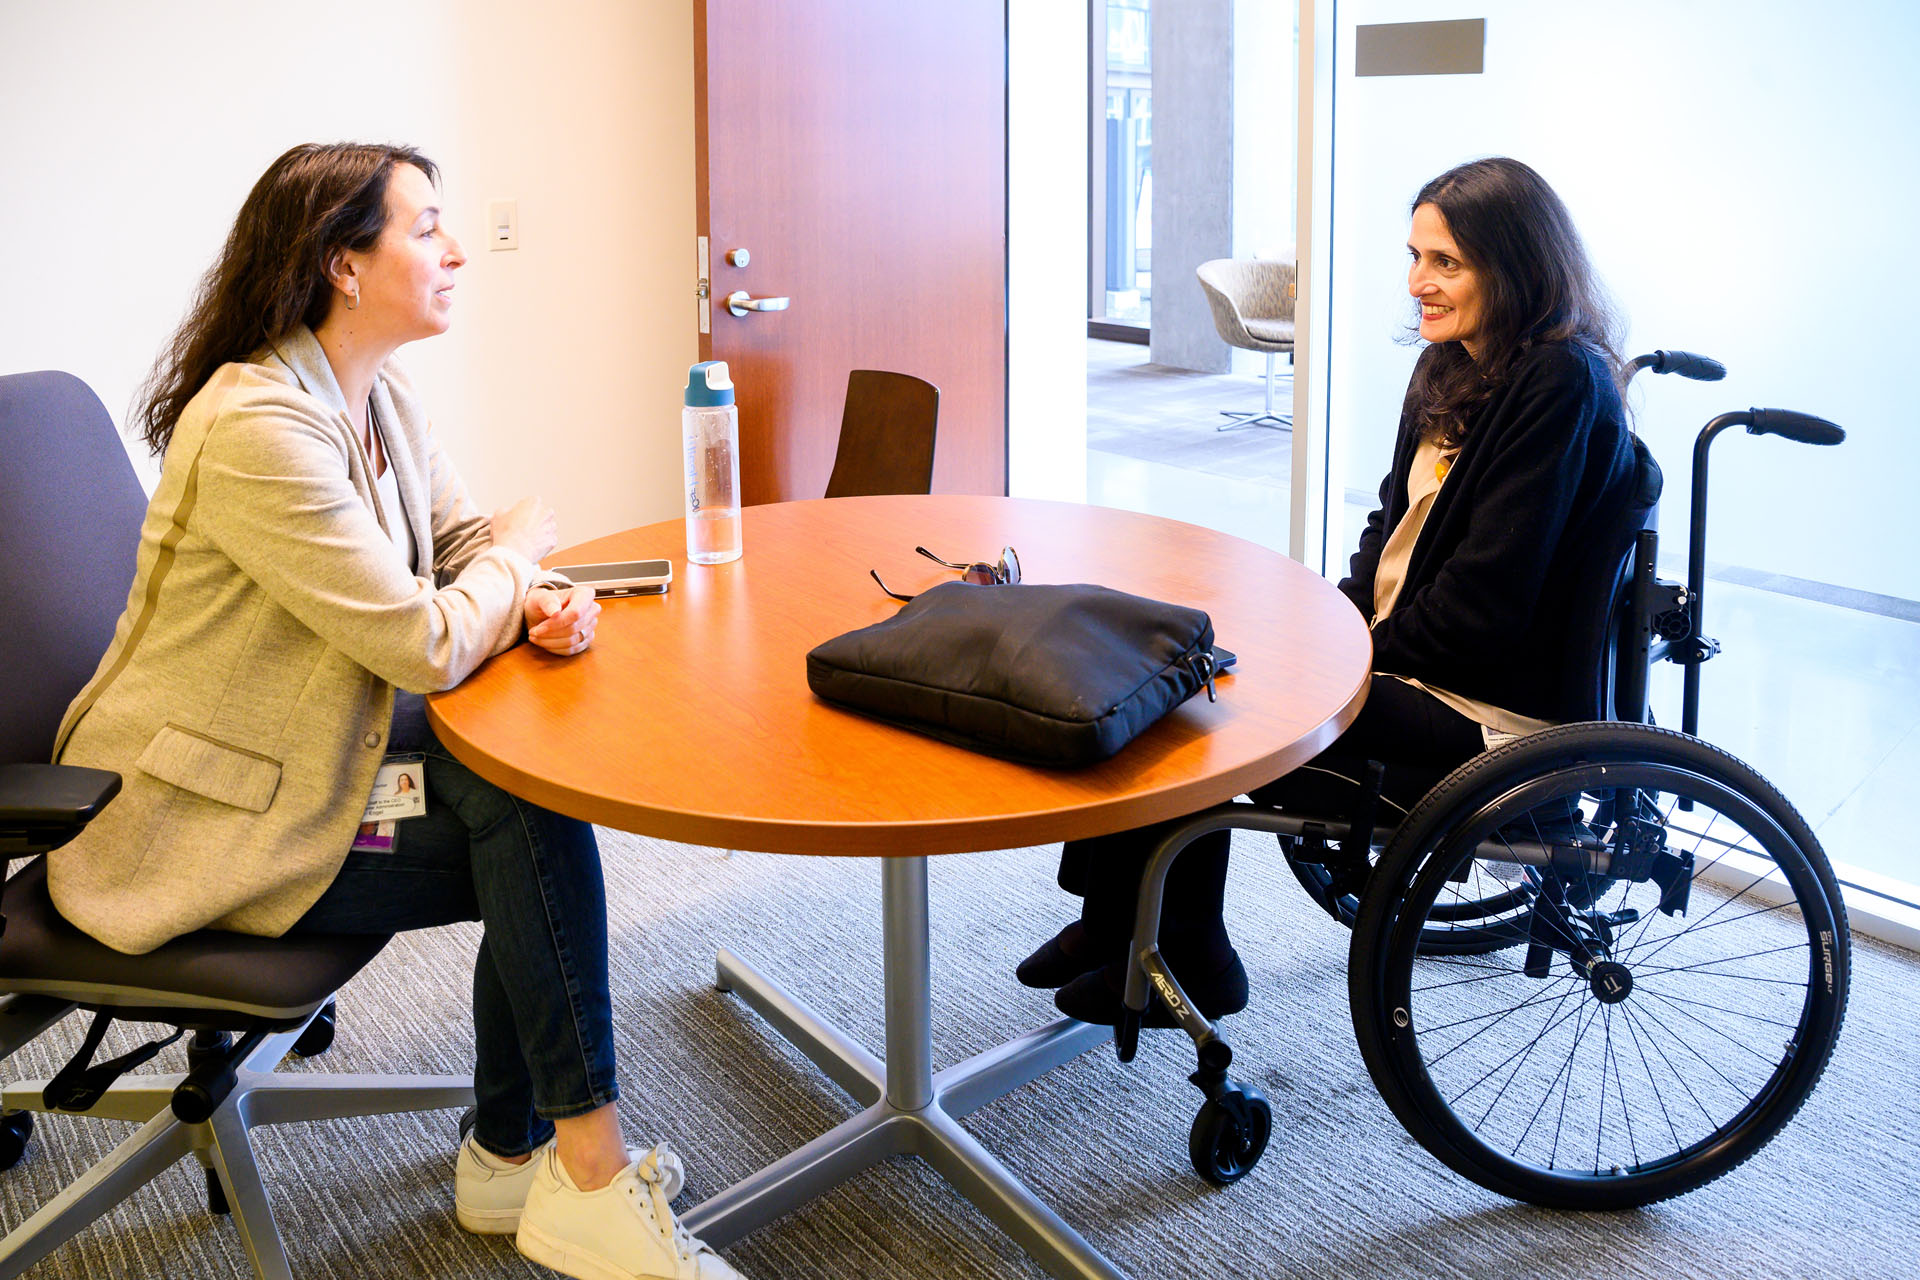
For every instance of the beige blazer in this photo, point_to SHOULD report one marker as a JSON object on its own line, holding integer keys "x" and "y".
{"x": 248, "y": 692}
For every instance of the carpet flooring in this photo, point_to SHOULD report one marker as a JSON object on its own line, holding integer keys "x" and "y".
{"x": 1342, "y": 1190}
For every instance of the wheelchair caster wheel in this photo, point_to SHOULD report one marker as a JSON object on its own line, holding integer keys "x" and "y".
{"x": 467, "y": 1121}
{"x": 1230, "y": 1134}
{"x": 15, "y": 1128}
{"x": 216, "y": 1194}
{"x": 318, "y": 1037}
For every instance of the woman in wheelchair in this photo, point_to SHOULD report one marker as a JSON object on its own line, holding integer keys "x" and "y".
{"x": 1512, "y": 442}
{"x": 308, "y": 557}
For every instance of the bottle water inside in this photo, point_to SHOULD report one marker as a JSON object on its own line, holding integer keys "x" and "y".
{"x": 710, "y": 430}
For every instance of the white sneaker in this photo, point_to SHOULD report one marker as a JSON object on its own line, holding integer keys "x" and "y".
{"x": 623, "y": 1231}
{"x": 488, "y": 1192}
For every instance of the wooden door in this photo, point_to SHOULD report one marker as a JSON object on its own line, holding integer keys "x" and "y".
{"x": 856, "y": 149}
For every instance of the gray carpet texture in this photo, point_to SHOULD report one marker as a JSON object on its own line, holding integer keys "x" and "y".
{"x": 1342, "y": 1190}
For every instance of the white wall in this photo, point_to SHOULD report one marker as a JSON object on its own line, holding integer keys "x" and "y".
{"x": 130, "y": 132}
{"x": 1047, "y": 250}
{"x": 1743, "y": 173}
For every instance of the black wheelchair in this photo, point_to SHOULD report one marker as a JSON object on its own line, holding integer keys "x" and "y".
{"x": 1592, "y": 968}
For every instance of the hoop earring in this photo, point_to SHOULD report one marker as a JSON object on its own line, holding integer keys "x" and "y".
{"x": 353, "y": 300}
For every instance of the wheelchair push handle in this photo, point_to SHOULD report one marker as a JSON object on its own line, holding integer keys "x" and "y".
{"x": 1685, "y": 363}
{"x": 1787, "y": 423}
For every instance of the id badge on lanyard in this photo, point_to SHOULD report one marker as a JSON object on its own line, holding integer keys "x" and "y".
{"x": 399, "y": 793}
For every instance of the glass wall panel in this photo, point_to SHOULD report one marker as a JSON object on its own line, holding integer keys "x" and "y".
{"x": 1168, "y": 428}
{"x": 1128, "y": 234}
{"x": 1742, "y": 172}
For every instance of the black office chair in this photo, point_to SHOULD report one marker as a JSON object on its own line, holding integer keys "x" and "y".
{"x": 886, "y": 435}
{"x": 70, "y": 511}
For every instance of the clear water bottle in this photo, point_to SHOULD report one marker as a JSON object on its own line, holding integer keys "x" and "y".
{"x": 710, "y": 431}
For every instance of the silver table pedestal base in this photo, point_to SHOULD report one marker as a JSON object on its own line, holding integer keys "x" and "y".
{"x": 909, "y": 1108}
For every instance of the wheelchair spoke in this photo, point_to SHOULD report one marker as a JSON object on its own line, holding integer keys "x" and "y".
{"x": 1606, "y": 1056}
{"x": 1700, "y": 970}
{"x": 1492, "y": 971}
{"x": 1521, "y": 1062}
{"x": 1707, "y": 921}
{"x": 1686, "y": 1044}
{"x": 1705, "y": 972}
{"x": 1634, "y": 1033}
{"x": 1554, "y": 1020}
{"x": 1733, "y": 1040}
{"x": 1626, "y": 1111}
{"x": 1694, "y": 928}
{"x": 1675, "y": 1071}
{"x": 1718, "y": 1008}
{"x": 1546, "y": 1094}
{"x": 1565, "y": 1081}
{"x": 1528, "y": 1003}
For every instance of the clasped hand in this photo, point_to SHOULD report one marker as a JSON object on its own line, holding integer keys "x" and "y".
{"x": 562, "y": 621}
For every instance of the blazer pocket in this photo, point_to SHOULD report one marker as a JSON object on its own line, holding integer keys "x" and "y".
{"x": 194, "y": 762}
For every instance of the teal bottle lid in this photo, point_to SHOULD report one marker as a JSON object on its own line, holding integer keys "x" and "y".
{"x": 708, "y": 384}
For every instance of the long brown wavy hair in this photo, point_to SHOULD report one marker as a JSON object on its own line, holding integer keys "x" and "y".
{"x": 1536, "y": 286}
{"x": 271, "y": 275}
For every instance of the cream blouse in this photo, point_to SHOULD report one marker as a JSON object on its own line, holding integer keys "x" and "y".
{"x": 1430, "y": 464}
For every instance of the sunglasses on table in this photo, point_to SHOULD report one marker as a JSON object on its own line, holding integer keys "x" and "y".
{"x": 1006, "y": 573}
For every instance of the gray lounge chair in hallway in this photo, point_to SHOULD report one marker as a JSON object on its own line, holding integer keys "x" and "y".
{"x": 1252, "y": 302}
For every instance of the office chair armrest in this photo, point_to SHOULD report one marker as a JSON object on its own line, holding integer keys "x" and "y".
{"x": 42, "y": 806}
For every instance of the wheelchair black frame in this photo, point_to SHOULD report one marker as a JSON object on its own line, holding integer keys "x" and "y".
{"x": 1652, "y": 620}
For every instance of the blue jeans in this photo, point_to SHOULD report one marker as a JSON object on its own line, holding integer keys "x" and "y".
{"x": 542, "y": 1016}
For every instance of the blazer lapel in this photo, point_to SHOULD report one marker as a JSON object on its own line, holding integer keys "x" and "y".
{"x": 399, "y": 437}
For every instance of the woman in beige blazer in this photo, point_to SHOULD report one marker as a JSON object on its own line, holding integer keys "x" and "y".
{"x": 309, "y": 565}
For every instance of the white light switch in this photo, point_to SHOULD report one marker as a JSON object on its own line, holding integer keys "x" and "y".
{"x": 503, "y": 224}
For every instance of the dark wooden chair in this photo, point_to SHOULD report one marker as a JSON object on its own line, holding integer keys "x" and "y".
{"x": 886, "y": 435}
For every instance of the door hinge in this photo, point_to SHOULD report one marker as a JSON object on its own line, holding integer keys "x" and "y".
{"x": 704, "y": 290}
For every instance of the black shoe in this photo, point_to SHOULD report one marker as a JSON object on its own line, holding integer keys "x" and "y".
{"x": 1059, "y": 960}
{"x": 1096, "y": 997}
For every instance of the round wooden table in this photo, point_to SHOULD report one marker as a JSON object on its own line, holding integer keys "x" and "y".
{"x": 690, "y": 719}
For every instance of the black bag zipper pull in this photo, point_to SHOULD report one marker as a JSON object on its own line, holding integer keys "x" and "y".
{"x": 1201, "y": 664}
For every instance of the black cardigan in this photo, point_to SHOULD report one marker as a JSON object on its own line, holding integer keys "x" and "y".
{"x": 1484, "y": 610}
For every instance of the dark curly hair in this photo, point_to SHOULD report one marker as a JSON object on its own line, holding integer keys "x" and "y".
{"x": 1536, "y": 286}
{"x": 271, "y": 275}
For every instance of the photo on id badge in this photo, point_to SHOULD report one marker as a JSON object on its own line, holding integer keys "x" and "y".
{"x": 399, "y": 793}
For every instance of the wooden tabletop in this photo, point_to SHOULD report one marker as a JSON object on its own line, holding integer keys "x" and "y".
{"x": 691, "y": 719}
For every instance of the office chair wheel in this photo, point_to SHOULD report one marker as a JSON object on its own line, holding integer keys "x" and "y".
{"x": 1230, "y": 1133}
{"x": 318, "y": 1037}
{"x": 216, "y": 1193}
{"x": 16, "y": 1127}
{"x": 1485, "y": 913}
{"x": 1663, "y": 1022}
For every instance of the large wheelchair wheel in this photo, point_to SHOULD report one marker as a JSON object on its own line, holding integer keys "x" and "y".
{"x": 1681, "y": 985}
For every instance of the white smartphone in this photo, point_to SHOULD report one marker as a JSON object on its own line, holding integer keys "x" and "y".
{"x": 621, "y": 578}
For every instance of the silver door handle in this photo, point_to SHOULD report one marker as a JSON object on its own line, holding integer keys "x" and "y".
{"x": 740, "y": 303}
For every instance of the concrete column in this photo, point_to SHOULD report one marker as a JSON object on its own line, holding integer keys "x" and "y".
{"x": 1192, "y": 174}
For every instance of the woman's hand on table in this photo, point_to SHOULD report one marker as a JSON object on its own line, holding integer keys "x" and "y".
{"x": 562, "y": 621}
